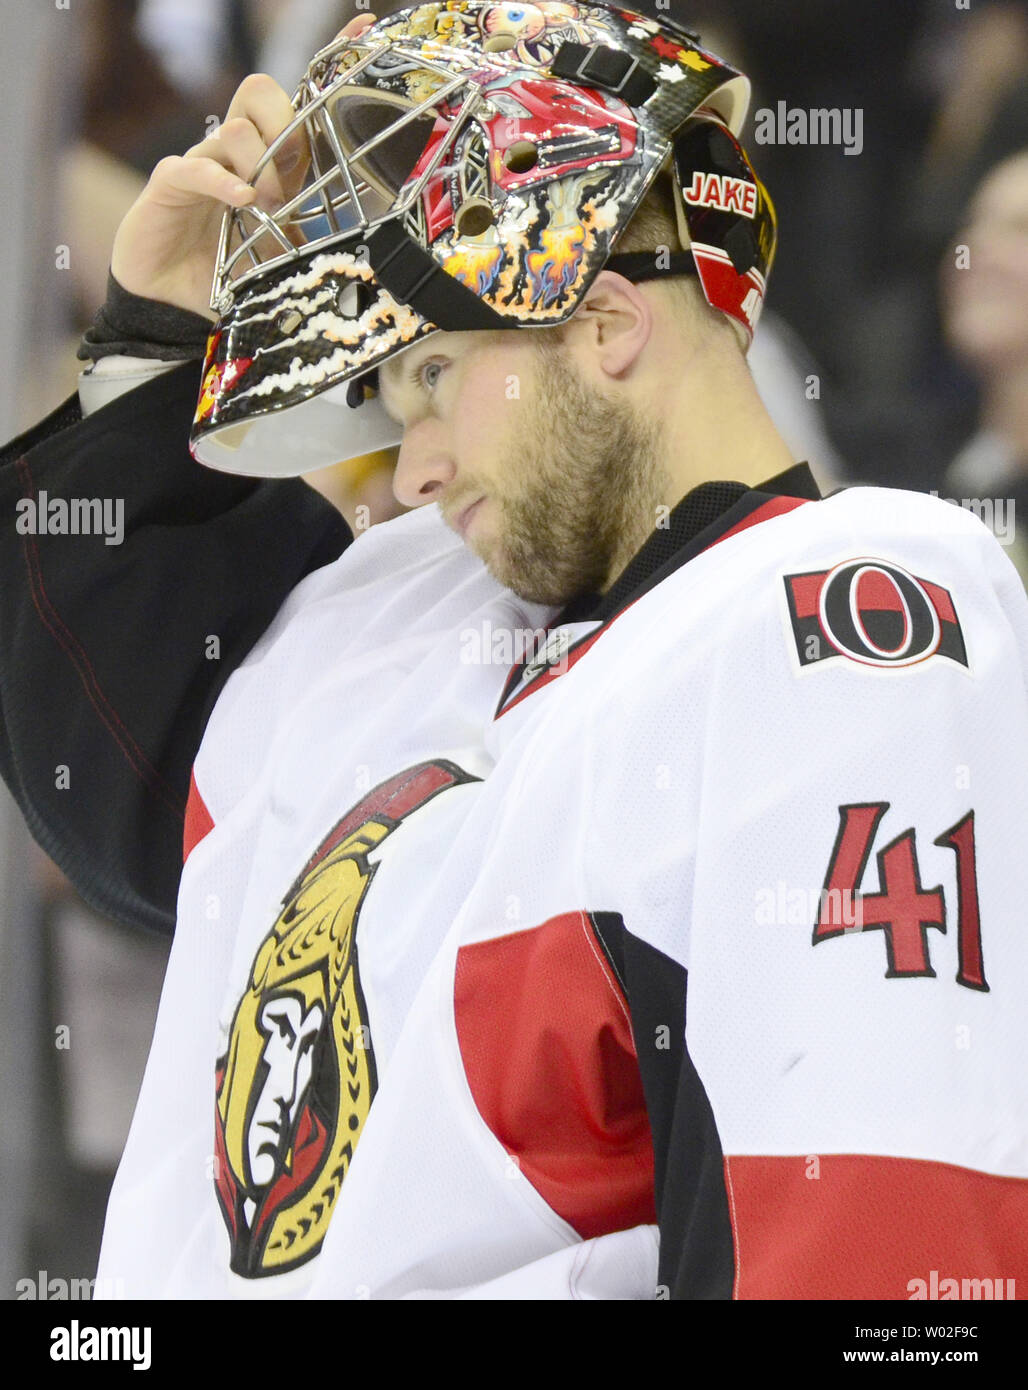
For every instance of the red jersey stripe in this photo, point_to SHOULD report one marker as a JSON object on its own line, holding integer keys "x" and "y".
{"x": 199, "y": 820}
{"x": 552, "y": 1067}
{"x": 846, "y": 1226}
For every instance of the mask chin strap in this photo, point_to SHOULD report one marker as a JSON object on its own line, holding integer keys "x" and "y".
{"x": 362, "y": 388}
{"x": 642, "y": 266}
{"x": 414, "y": 277}
{"x": 635, "y": 266}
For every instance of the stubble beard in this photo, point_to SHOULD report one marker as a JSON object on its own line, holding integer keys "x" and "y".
{"x": 588, "y": 476}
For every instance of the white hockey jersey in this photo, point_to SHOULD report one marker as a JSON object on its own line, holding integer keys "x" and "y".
{"x": 688, "y": 960}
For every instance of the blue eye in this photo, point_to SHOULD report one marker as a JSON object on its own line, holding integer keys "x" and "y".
{"x": 427, "y": 375}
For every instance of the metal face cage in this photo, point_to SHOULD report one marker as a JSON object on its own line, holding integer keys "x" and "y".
{"x": 366, "y": 146}
{"x": 457, "y": 171}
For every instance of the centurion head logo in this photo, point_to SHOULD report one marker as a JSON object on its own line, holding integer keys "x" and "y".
{"x": 295, "y": 1085}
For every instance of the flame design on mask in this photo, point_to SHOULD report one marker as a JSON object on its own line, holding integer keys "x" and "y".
{"x": 476, "y": 262}
{"x": 554, "y": 269}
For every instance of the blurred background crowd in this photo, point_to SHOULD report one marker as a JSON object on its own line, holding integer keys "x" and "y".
{"x": 894, "y": 353}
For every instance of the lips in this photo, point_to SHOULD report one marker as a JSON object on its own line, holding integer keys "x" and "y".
{"x": 467, "y": 516}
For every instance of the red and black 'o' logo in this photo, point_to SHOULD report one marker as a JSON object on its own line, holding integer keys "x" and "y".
{"x": 878, "y": 614}
{"x": 873, "y": 612}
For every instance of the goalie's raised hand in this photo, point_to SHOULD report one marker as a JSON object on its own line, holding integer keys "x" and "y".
{"x": 167, "y": 243}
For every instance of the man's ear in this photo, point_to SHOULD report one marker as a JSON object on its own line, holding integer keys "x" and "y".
{"x": 614, "y": 323}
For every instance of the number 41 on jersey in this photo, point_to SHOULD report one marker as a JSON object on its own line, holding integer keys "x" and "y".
{"x": 903, "y": 909}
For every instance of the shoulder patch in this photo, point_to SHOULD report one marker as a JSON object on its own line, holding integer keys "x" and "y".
{"x": 872, "y": 612}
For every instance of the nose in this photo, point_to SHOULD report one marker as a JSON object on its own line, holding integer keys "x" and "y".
{"x": 425, "y": 466}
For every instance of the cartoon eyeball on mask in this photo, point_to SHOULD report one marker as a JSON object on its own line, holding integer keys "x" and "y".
{"x": 557, "y": 12}
{"x": 521, "y": 22}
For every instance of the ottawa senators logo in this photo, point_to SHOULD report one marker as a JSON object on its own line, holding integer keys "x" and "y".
{"x": 297, "y": 1080}
{"x": 874, "y": 613}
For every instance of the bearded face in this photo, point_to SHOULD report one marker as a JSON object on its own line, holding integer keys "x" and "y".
{"x": 575, "y": 483}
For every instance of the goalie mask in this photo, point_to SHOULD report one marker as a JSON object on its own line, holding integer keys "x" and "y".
{"x": 469, "y": 166}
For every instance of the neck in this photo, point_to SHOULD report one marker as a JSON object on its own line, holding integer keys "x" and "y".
{"x": 716, "y": 430}
{"x": 724, "y": 436}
